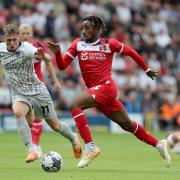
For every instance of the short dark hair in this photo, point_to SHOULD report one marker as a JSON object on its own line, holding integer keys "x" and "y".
{"x": 95, "y": 21}
{"x": 10, "y": 29}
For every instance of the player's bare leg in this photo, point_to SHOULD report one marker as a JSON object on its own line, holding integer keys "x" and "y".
{"x": 121, "y": 118}
{"x": 66, "y": 131}
{"x": 20, "y": 110}
{"x": 30, "y": 116}
{"x": 91, "y": 151}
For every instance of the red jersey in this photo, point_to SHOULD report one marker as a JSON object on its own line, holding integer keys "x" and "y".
{"x": 95, "y": 59}
{"x": 37, "y": 63}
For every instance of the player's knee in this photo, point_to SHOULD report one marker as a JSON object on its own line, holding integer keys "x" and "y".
{"x": 55, "y": 126}
{"x": 74, "y": 105}
{"x": 19, "y": 114}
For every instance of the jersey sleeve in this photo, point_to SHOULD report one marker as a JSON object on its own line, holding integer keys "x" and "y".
{"x": 44, "y": 47}
{"x": 29, "y": 49}
{"x": 2, "y": 49}
{"x": 72, "y": 51}
{"x": 116, "y": 46}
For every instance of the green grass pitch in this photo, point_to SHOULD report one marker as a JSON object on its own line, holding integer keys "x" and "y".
{"x": 122, "y": 157}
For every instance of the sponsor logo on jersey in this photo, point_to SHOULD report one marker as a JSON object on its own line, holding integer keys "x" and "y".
{"x": 93, "y": 56}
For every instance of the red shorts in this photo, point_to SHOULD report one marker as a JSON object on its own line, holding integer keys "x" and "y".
{"x": 107, "y": 96}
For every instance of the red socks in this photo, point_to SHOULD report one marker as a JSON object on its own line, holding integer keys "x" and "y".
{"x": 82, "y": 124}
{"x": 36, "y": 131}
{"x": 143, "y": 135}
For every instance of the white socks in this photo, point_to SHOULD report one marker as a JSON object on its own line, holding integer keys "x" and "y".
{"x": 66, "y": 131}
{"x": 90, "y": 146}
{"x": 25, "y": 133}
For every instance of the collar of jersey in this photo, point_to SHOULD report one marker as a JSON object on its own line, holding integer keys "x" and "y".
{"x": 94, "y": 43}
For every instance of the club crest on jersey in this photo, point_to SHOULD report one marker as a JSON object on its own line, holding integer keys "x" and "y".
{"x": 102, "y": 48}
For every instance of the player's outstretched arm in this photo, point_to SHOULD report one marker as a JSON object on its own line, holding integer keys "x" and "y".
{"x": 134, "y": 55}
{"x": 62, "y": 62}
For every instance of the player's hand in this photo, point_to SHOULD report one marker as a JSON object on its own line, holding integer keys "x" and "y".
{"x": 152, "y": 74}
{"x": 54, "y": 47}
{"x": 57, "y": 85}
{"x": 40, "y": 54}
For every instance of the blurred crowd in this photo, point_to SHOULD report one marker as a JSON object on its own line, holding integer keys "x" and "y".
{"x": 151, "y": 27}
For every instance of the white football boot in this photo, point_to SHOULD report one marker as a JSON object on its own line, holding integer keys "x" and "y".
{"x": 88, "y": 156}
{"x": 163, "y": 149}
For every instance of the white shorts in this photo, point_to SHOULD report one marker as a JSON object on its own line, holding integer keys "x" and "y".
{"x": 41, "y": 103}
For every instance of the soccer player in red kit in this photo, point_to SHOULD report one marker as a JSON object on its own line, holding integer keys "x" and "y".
{"x": 26, "y": 34}
{"x": 95, "y": 56}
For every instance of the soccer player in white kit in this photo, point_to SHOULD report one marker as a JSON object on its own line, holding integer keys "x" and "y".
{"x": 173, "y": 140}
{"x": 29, "y": 94}
{"x": 26, "y": 34}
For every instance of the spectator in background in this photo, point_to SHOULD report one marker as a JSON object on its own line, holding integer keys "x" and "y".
{"x": 162, "y": 39}
{"x": 87, "y": 8}
{"x": 72, "y": 7}
{"x": 49, "y": 27}
{"x": 14, "y": 14}
{"x": 26, "y": 17}
{"x": 176, "y": 112}
{"x": 68, "y": 93}
{"x": 61, "y": 30}
{"x": 153, "y": 61}
{"x": 166, "y": 116}
{"x": 123, "y": 13}
{"x": 158, "y": 25}
{"x": 133, "y": 104}
{"x": 39, "y": 22}
{"x": 45, "y": 6}
{"x": 59, "y": 7}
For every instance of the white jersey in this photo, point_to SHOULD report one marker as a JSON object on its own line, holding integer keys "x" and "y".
{"x": 19, "y": 69}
